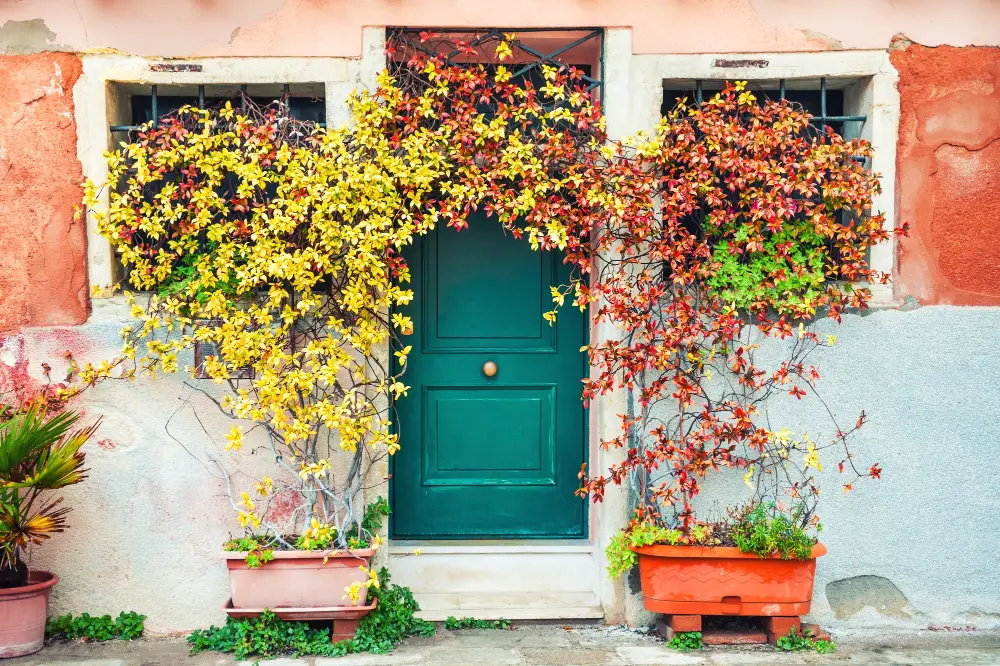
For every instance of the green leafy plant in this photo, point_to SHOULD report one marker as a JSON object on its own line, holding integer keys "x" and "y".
{"x": 127, "y": 626}
{"x": 620, "y": 556}
{"x": 259, "y": 549}
{"x": 795, "y": 642}
{"x": 267, "y": 635}
{"x": 455, "y": 624}
{"x": 264, "y": 636}
{"x": 765, "y": 530}
{"x": 686, "y": 641}
{"x": 39, "y": 452}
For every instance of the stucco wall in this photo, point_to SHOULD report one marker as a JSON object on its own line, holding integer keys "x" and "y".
{"x": 919, "y": 544}
{"x": 949, "y": 173}
{"x": 43, "y": 277}
{"x": 333, "y": 27}
{"x": 148, "y": 523}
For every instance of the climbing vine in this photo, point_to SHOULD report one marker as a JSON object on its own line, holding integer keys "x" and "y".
{"x": 279, "y": 242}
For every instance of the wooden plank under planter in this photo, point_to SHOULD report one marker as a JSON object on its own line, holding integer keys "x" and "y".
{"x": 716, "y": 580}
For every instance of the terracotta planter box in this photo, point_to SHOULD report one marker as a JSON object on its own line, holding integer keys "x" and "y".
{"x": 697, "y": 580}
{"x": 297, "y": 579}
{"x": 22, "y": 614}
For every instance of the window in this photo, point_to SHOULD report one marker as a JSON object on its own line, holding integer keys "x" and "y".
{"x": 141, "y": 105}
{"x": 836, "y": 103}
{"x": 832, "y": 102}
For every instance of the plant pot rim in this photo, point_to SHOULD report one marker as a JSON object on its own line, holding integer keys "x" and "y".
{"x": 304, "y": 554}
{"x": 48, "y": 580}
{"x": 716, "y": 552}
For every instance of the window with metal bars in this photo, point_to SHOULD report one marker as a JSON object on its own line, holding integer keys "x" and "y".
{"x": 834, "y": 103}
{"x": 530, "y": 49}
{"x": 139, "y": 105}
{"x": 149, "y": 103}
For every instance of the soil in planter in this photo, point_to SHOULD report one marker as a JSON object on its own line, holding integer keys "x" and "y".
{"x": 14, "y": 577}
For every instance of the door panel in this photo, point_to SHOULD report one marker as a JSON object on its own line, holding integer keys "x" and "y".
{"x": 471, "y": 299}
{"x": 489, "y": 457}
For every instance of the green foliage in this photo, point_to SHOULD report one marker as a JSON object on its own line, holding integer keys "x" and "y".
{"x": 267, "y": 635}
{"x": 126, "y": 626}
{"x": 455, "y": 624}
{"x": 264, "y": 636}
{"x": 766, "y": 531}
{"x": 391, "y": 621}
{"x": 795, "y": 642}
{"x": 360, "y": 535}
{"x": 796, "y": 252}
{"x": 619, "y": 553}
{"x": 259, "y": 548}
{"x": 39, "y": 452}
{"x": 686, "y": 641}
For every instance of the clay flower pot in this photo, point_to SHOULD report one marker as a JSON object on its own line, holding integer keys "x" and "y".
{"x": 298, "y": 579}
{"x": 715, "y": 580}
{"x": 22, "y": 614}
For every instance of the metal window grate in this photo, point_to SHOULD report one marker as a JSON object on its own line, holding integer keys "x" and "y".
{"x": 204, "y": 350}
{"x": 156, "y": 99}
{"x": 824, "y": 104}
{"x": 455, "y": 51}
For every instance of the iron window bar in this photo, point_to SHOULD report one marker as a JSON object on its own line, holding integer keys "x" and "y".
{"x": 155, "y": 113}
{"x": 411, "y": 37}
{"x": 823, "y": 118}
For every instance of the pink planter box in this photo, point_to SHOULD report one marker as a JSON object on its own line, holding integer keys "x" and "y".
{"x": 298, "y": 579}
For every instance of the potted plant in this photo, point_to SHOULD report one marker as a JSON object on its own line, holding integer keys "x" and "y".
{"x": 39, "y": 453}
{"x": 761, "y": 563}
{"x": 308, "y": 577}
{"x": 760, "y": 234}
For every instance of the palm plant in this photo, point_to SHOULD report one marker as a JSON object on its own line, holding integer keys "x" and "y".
{"x": 39, "y": 452}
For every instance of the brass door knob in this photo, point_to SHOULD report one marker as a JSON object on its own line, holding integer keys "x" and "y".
{"x": 489, "y": 368}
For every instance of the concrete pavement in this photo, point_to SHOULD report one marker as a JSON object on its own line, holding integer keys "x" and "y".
{"x": 559, "y": 645}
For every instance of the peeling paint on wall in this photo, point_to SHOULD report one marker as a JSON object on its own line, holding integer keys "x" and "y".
{"x": 949, "y": 174}
{"x": 43, "y": 278}
{"x": 850, "y": 596}
{"x": 31, "y": 36}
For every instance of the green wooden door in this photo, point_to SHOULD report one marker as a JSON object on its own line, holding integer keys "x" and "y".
{"x": 489, "y": 457}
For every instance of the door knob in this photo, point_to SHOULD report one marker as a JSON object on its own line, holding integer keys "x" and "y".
{"x": 489, "y": 368}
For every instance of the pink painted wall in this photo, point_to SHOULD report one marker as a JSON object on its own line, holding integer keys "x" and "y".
{"x": 949, "y": 174}
{"x": 333, "y": 27}
{"x": 43, "y": 275}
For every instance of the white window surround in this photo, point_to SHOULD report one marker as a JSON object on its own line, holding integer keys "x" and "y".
{"x": 873, "y": 93}
{"x": 105, "y": 76}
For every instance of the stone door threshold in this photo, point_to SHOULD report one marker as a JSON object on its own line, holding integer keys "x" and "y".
{"x": 517, "y": 580}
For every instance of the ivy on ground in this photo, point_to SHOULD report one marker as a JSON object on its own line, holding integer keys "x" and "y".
{"x": 455, "y": 623}
{"x": 686, "y": 641}
{"x": 126, "y": 626}
{"x": 795, "y": 642}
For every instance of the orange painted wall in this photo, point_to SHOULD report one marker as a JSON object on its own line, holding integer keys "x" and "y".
{"x": 333, "y": 27}
{"x": 949, "y": 174}
{"x": 43, "y": 277}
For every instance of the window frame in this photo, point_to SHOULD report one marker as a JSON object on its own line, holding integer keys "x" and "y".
{"x": 875, "y": 96}
{"x": 101, "y": 99}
